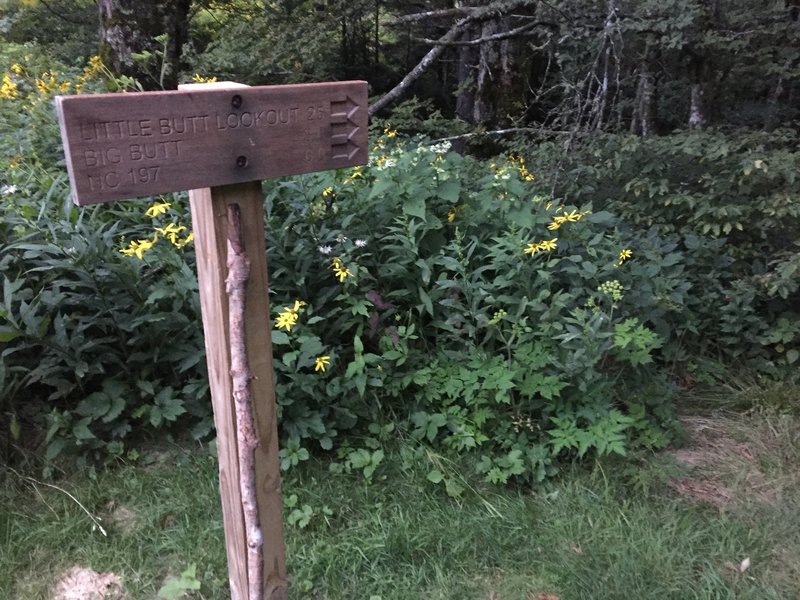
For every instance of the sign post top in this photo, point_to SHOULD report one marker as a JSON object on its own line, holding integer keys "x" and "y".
{"x": 121, "y": 146}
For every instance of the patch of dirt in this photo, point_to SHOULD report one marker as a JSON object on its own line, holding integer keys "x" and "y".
{"x": 723, "y": 469}
{"x": 702, "y": 490}
{"x": 78, "y": 583}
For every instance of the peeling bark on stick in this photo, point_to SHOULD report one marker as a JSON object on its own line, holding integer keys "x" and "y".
{"x": 236, "y": 287}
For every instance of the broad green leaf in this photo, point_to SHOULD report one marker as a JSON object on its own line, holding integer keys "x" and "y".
{"x": 450, "y": 190}
{"x": 435, "y": 476}
{"x": 414, "y": 206}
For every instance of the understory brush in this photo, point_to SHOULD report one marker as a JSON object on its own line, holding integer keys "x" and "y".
{"x": 728, "y": 199}
{"x": 428, "y": 295}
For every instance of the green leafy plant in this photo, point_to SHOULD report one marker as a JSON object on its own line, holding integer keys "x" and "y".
{"x": 176, "y": 587}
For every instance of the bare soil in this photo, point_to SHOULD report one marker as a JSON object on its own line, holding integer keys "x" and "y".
{"x": 78, "y": 583}
{"x": 723, "y": 458}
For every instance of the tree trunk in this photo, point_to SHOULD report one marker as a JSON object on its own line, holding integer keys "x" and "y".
{"x": 645, "y": 109}
{"x": 486, "y": 85}
{"x": 781, "y": 85}
{"x": 698, "y": 118}
{"x": 649, "y": 106}
{"x": 466, "y": 74}
{"x": 130, "y": 27}
{"x": 701, "y": 70}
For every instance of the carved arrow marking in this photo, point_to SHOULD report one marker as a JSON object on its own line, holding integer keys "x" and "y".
{"x": 344, "y": 128}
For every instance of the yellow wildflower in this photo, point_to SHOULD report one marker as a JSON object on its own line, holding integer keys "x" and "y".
{"x": 548, "y": 244}
{"x": 543, "y": 246}
{"x": 159, "y": 208}
{"x": 8, "y": 89}
{"x": 342, "y": 274}
{"x": 328, "y": 191}
{"x": 187, "y": 240}
{"x": 288, "y": 317}
{"x": 286, "y": 321}
{"x": 451, "y": 215}
{"x": 90, "y": 71}
{"x": 518, "y": 161}
{"x": 389, "y": 132}
{"x": 201, "y": 79}
{"x": 624, "y": 255}
{"x": 17, "y": 69}
{"x": 171, "y": 232}
{"x": 95, "y": 64}
{"x": 339, "y": 270}
{"x": 139, "y": 247}
{"x": 321, "y": 362}
{"x": 355, "y": 173}
{"x": 568, "y": 217}
{"x": 48, "y": 83}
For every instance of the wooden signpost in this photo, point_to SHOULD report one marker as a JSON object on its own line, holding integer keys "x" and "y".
{"x": 219, "y": 141}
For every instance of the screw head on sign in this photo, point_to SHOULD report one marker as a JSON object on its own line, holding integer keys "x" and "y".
{"x": 241, "y": 161}
{"x": 236, "y": 101}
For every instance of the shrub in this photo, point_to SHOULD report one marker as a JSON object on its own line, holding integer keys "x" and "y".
{"x": 729, "y": 203}
{"x": 100, "y": 343}
{"x": 484, "y": 318}
{"x": 428, "y": 288}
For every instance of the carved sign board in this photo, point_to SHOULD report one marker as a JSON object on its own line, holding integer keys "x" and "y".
{"x": 127, "y": 145}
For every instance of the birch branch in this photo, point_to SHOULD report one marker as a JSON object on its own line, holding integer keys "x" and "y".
{"x": 246, "y": 439}
{"x": 495, "y": 132}
{"x": 489, "y": 38}
{"x": 432, "y": 14}
{"x": 492, "y": 11}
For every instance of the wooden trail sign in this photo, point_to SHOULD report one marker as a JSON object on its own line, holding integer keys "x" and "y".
{"x": 217, "y": 141}
{"x": 127, "y": 145}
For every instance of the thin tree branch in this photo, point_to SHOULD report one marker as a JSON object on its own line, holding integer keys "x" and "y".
{"x": 60, "y": 15}
{"x": 432, "y": 14}
{"x": 489, "y": 38}
{"x": 495, "y": 132}
{"x": 492, "y": 11}
{"x": 246, "y": 439}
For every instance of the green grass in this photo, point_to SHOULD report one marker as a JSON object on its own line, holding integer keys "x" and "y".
{"x": 612, "y": 530}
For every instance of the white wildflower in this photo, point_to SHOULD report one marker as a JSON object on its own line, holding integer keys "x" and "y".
{"x": 360, "y": 243}
{"x": 7, "y": 190}
{"x": 441, "y": 147}
{"x": 325, "y": 250}
{"x": 386, "y": 164}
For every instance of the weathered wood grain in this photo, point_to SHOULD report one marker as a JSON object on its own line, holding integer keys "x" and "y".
{"x": 121, "y": 146}
{"x": 209, "y": 217}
